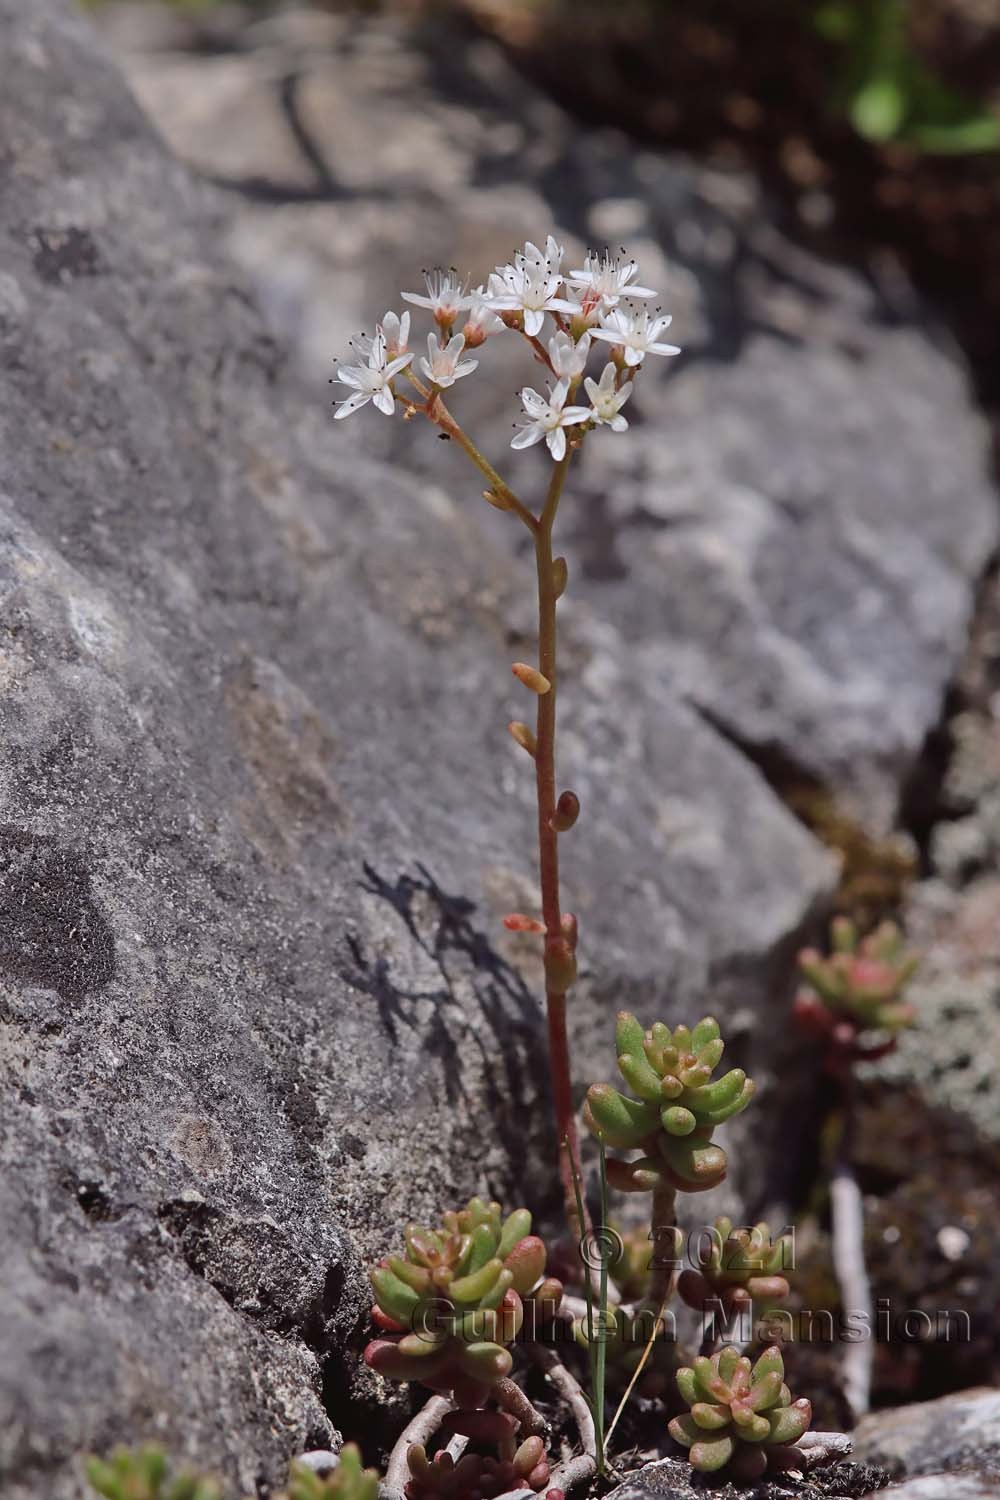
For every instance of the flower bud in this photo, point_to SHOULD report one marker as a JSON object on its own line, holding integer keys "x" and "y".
{"x": 523, "y": 735}
{"x": 516, "y": 921}
{"x": 566, "y": 813}
{"x": 560, "y": 576}
{"x": 560, "y": 965}
{"x": 532, "y": 678}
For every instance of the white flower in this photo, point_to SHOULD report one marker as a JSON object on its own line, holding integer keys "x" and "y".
{"x": 371, "y": 381}
{"x": 569, "y": 356}
{"x": 530, "y": 285}
{"x": 482, "y": 320}
{"x": 636, "y": 334}
{"x": 447, "y": 296}
{"x": 445, "y": 366}
{"x": 396, "y": 332}
{"x": 606, "y": 402}
{"x": 548, "y": 419}
{"x": 604, "y": 281}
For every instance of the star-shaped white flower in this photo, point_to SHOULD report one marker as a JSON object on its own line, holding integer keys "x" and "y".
{"x": 603, "y": 281}
{"x": 605, "y": 401}
{"x": 482, "y": 321}
{"x": 371, "y": 381}
{"x": 637, "y": 335}
{"x": 530, "y": 285}
{"x": 569, "y": 355}
{"x": 447, "y": 296}
{"x": 444, "y": 366}
{"x": 548, "y": 419}
{"x": 394, "y": 332}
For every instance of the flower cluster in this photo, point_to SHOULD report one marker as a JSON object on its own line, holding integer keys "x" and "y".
{"x": 856, "y": 989}
{"x": 677, "y": 1109}
{"x": 741, "y": 1264}
{"x": 738, "y": 1413}
{"x": 599, "y": 304}
{"x": 453, "y": 1302}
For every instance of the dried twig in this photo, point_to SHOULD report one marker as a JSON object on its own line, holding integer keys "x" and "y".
{"x": 814, "y": 1450}
{"x": 420, "y": 1430}
{"x": 848, "y": 1227}
{"x": 584, "y": 1466}
{"x": 513, "y": 1400}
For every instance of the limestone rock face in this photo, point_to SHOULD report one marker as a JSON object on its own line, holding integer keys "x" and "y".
{"x": 788, "y": 535}
{"x": 261, "y": 819}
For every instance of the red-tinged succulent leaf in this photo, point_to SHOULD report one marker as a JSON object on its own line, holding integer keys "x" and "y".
{"x": 640, "y": 1176}
{"x": 710, "y": 1416}
{"x": 684, "y": 1429}
{"x": 382, "y": 1320}
{"x": 694, "y": 1289}
{"x": 527, "y": 1262}
{"x": 788, "y": 1423}
{"x": 529, "y": 1455}
{"x": 708, "y": 1455}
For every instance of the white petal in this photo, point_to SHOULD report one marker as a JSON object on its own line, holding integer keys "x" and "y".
{"x": 350, "y": 375}
{"x": 526, "y": 437}
{"x": 455, "y": 345}
{"x": 353, "y": 403}
{"x": 557, "y": 443}
{"x": 559, "y": 395}
{"x": 634, "y": 357}
{"x": 639, "y": 291}
{"x": 664, "y": 349}
{"x": 383, "y": 400}
{"x": 465, "y": 367}
{"x": 574, "y": 414}
{"x": 533, "y": 403}
{"x": 399, "y": 363}
{"x": 618, "y": 424}
{"x": 610, "y": 335}
{"x": 425, "y": 369}
{"x": 416, "y": 299}
{"x": 594, "y": 391}
{"x": 533, "y": 321}
{"x": 444, "y": 381}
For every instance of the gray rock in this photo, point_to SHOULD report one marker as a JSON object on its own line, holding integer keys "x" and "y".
{"x": 955, "y": 1435}
{"x": 673, "y": 1479}
{"x": 261, "y": 823}
{"x": 789, "y": 537}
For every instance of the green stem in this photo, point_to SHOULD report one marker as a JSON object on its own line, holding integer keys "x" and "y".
{"x": 663, "y": 1270}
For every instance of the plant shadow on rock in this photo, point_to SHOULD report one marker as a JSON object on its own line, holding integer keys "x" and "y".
{"x": 508, "y": 1030}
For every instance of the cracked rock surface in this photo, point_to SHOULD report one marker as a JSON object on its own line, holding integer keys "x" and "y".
{"x": 260, "y": 819}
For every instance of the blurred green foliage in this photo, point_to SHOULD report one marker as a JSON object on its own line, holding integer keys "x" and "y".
{"x": 887, "y": 90}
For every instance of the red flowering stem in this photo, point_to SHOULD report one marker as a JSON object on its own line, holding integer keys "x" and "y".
{"x": 560, "y": 964}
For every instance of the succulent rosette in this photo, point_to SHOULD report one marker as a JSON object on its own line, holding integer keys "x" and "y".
{"x": 677, "y": 1108}
{"x": 474, "y": 1477}
{"x": 453, "y": 1302}
{"x": 145, "y": 1474}
{"x": 741, "y": 1266}
{"x": 856, "y": 988}
{"x": 740, "y": 1414}
{"x": 348, "y": 1480}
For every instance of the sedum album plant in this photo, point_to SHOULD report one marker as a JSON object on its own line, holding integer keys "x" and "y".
{"x": 741, "y": 1414}
{"x": 590, "y": 330}
{"x": 453, "y": 1303}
